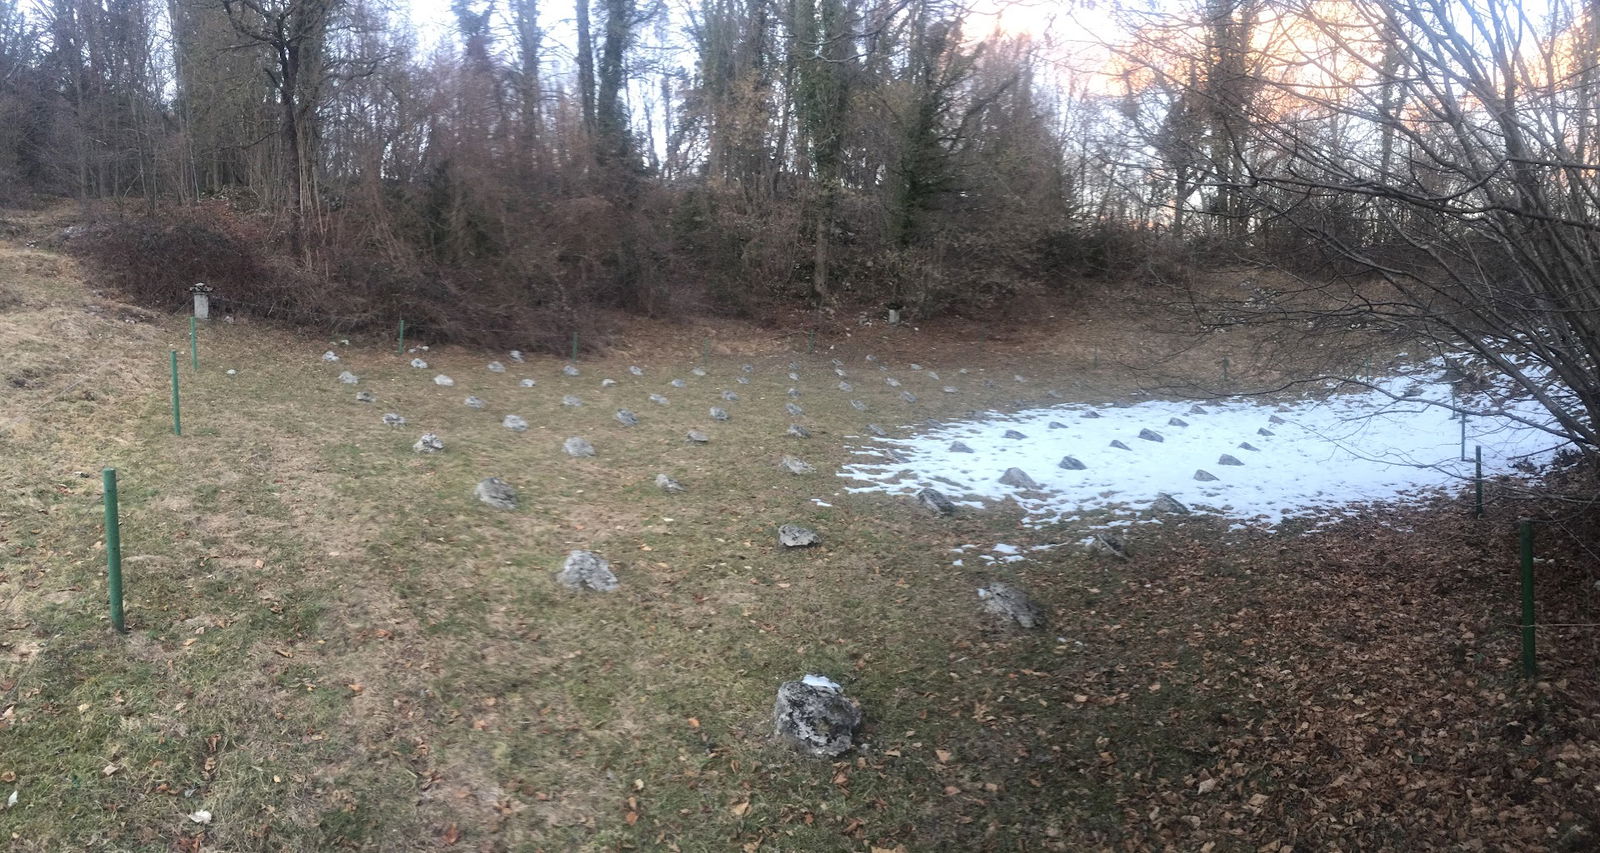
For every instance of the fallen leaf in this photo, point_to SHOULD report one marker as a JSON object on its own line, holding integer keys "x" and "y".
{"x": 452, "y": 834}
{"x": 943, "y": 755}
{"x": 1207, "y": 786}
{"x": 110, "y": 769}
{"x": 200, "y": 816}
{"x": 740, "y": 809}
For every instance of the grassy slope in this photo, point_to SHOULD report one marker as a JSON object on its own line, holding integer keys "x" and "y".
{"x": 333, "y": 645}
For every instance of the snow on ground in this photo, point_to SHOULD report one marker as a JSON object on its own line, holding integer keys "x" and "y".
{"x": 1351, "y": 447}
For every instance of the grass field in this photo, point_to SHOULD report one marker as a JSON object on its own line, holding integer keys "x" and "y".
{"x": 333, "y": 645}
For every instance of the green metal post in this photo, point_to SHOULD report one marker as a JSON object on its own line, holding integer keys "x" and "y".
{"x": 1529, "y": 669}
{"x": 177, "y": 423}
{"x": 705, "y": 351}
{"x": 108, "y": 477}
{"x": 1463, "y": 436}
{"x": 194, "y": 347}
{"x": 574, "y": 347}
{"x": 1478, "y": 455}
{"x": 401, "y": 348}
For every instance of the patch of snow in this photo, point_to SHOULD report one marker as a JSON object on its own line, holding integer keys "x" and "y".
{"x": 1393, "y": 440}
{"x": 821, "y": 681}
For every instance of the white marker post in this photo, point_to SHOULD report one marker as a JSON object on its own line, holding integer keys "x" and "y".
{"x": 202, "y": 300}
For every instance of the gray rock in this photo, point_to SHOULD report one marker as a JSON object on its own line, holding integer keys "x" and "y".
{"x": 793, "y": 409}
{"x": 473, "y": 403}
{"x": 858, "y": 405}
{"x": 699, "y": 371}
{"x": 950, "y": 389}
{"x": 419, "y": 364}
{"x": 896, "y": 456}
{"x": 667, "y": 484}
{"x": 730, "y": 397}
{"x": 1119, "y": 445}
{"x": 838, "y": 363}
{"x": 1091, "y": 414}
{"x": 877, "y": 430}
{"x": 795, "y": 466}
{"x": 627, "y": 418}
{"x": 392, "y": 419}
{"x": 1166, "y": 504}
{"x": 608, "y": 383}
{"x": 794, "y": 393}
{"x": 527, "y": 383}
{"x": 443, "y": 381}
{"x": 497, "y": 493}
{"x": 366, "y": 397}
{"x": 1056, "y": 425}
{"x": 908, "y": 396}
{"x": 659, "y": 400}
{"x": 846, "y": 387}
{"x": 799, "y": 431}
{"x": 1012, "y": 434}
{"x": 569, "y": 370}
{"x": 747, "y": 368}
{"x": 515, "y": 423}
{"x": 1019, "y": 378}
{"x": 496, "y": 367}
{"x": 795, "y": 536}
{"x": 794, "y": 377}
{"x": 330, "y": 356}
{"x": 1196, "y": 409}
{"x": 571, "y": 400}
{"x": 577, "y": 447}
{"x": 1071, "y": 463}
{"x": 1010, "y": 605}
{"x": 1266, "y": 432}
{"x": 1151, "y": 435}
{"x": 1177, "y": 422}
{"x": 742, "y": 380}
{"x": 960, "y": 447}
{"x": 719, "y": 414}
{"x": 934, "y": 375}
{"x": 516, "y": 355}
{"x": 839, "y": 372}
{"x": 891, "y": 382}
{"x": 1245, "y": 445}
{"x": 1018, "y": 478}
{"x": 1225, "y": 459}
{"x": 988, "y": 383}
{"x": 1053, "y": 394}
{"x": 814, "y": 716}
{"x": 349, "y": 378}
{"x": 935, "y": 500}
{"x": 636, "y": 370}
{"x": 587, "y": 570}
{"x": 871, "y": 357}
{"x": 677, "y": 383}
{"x": 1204, "y": 476}
{"x": 695, "y": 436}
{"x": 1276, "y": 420}
{"x": 428, "y": 443}
{"x": 1109, "y": 544}
{"x": 915, "y": 366}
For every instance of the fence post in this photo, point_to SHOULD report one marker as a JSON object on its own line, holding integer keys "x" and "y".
{"x": 177, "y": 422}
{"x": 108, "y": 478}
{"x": 1463, "y": 436}
{"x": 194, "y": 347}
{"x": 574, "y": 346}
{"x": 1529, "y": 669}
